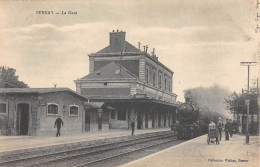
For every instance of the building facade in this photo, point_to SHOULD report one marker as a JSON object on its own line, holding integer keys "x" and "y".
{"x": 33, "y": 111}
{"x": 131, "y": 84}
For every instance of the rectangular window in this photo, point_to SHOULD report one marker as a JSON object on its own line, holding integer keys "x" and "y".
{"x": 169, "y": 85}
{"x": 2, "y": 107}
{"x": 165, "y": 83}
{"x": 113, "y": 114}
{"x": 53, "y": 109}
{"x": 74, "y": 111}
{"x": 121, "y": 115}
{"x": 147, "y": 75}
{"x": 160, "y": 81}
{"x": 154, "y": 78}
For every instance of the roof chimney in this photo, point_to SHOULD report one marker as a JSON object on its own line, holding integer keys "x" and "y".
{"x": 153, "y": 52}
{"x": 139, "y": 45}
{"x": 146, "y": 48}
{"x": 117, "y": 41}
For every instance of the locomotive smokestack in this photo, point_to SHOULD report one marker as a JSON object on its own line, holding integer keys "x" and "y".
{"x": 187, "y": 99}
{"x": 187, "y": 96}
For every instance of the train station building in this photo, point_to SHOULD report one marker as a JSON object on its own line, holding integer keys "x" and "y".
{"x": 33, "y": 111}
{"x": 127, "y": 84}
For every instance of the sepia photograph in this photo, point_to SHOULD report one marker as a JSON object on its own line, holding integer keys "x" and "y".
{"x": 129, "y": 83}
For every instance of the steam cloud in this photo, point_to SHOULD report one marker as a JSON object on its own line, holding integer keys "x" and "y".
{"x": 210, "y": 100}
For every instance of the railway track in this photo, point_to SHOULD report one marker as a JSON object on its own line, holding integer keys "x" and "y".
{"x": 87, "y": 156}
{"x": 108, "y": 158}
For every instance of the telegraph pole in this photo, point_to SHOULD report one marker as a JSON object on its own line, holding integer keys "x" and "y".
{"x": 247, "y": 99}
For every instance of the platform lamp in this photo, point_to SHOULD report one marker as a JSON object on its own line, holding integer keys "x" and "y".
{"x": 247, "y": 101}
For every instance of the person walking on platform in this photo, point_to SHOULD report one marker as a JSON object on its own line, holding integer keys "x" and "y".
{"x": 219, "y": 125}
{"x": 227, "y": 126}
{"x": 58, "y": 124}
{"x": 133, "y": 127}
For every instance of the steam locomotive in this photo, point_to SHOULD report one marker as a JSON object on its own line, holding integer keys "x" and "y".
{"x": 188, "y": 124}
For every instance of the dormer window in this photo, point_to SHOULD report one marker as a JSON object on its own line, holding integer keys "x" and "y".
{"x": 117, "y": 72}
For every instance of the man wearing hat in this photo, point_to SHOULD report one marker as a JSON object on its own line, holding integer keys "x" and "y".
{"x": 58, "y": 124}
{"x": 227, "y": 127}
{"x": 219, "y": 125}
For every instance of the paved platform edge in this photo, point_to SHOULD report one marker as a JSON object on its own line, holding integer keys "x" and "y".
{"x": 30, "y": 149}
{"x": 152, "y": 155}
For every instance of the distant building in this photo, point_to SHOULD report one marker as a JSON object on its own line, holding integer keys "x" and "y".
{"x": 33, "y": 111}
{"x": 127, "y": 84}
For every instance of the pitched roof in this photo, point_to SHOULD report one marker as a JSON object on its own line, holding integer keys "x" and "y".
{"x": 37, "y": 90}
{"x": 111, "y": 71}
{"x": 128, "y": 48}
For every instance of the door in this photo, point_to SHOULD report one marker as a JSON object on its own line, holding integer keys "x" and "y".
{"x": 159, "y": 119}
{"x": 87, "y": 120}
{"x": 100, "y": 119}
{"x": 146, "y": 119}
{"x": 23, "y": 119}
{"x": 164, "y": 120}
{"x": 139, "y": 120}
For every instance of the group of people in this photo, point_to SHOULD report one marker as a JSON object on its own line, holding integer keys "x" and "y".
{"x": 228, "y": 128}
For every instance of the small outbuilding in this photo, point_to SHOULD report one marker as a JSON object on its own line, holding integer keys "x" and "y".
{"x": 33, "y": 111}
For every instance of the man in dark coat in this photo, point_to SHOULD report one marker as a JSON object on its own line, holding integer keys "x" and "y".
{"x": 133, "y": 127}
{"x": 58, "y": 124}
{"x": 227, "y": 127}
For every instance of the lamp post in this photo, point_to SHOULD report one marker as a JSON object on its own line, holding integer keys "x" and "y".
{"x": 247, "y": 101}
{"x": 248, "y": 64}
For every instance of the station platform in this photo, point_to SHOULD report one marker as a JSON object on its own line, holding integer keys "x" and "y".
{"x": 197, "y": 153}
{"x": 20, "y": 144}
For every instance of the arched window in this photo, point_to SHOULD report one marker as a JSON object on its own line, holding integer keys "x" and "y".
{"x": 74, "y": 110}
{"x": 52, "y": 109}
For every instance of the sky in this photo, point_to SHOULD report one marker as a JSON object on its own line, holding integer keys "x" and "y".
{"x": 202, "y": 41}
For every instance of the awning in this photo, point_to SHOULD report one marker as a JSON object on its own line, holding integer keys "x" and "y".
{"x": 97, "y": 105}
{"x": 94, "y": 105}
{"x": 110, "y": 108}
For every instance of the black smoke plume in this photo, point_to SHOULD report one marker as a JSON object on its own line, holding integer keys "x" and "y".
{"x": 209, "y": 100}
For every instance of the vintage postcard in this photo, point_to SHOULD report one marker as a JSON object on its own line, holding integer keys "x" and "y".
{"x": 129, "y": 83}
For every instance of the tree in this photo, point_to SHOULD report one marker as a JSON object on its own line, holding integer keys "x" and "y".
{"x": 8, "y": 79}
{"x": 236, "y": 103}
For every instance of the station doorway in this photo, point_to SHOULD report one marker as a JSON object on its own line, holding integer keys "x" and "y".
{"x": 23, "y": 119}
{"x": 87, "y": 120}
{"x": 139, "y": 120}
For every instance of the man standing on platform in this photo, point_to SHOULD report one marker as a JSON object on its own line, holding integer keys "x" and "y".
{"x": 58, "y": 124}
{"x": 227, "y": 127}
{"x": 133, "y": 127}
{"x": 219, "y": 125}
